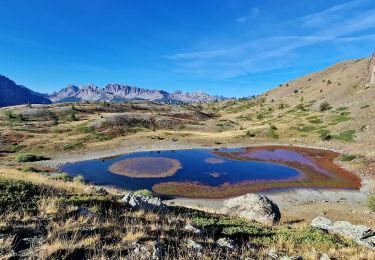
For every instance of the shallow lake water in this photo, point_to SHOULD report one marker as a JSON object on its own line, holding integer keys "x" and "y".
{"x": 208, "y": 168}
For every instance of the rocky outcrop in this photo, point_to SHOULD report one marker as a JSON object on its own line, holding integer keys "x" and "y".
{"x": 253, "y": 207}
{"x": 144, "y": 203}
{"x": 360, "y": 234}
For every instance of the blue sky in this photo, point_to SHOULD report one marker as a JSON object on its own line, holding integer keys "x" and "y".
{"x": 227, "y": 47}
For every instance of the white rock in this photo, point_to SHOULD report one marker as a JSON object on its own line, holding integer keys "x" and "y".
{"x": 189, "y": 228}
{"x": 253, "y": 207}
{"x": 225, "y": 242}
{"x": 144, "y": 203}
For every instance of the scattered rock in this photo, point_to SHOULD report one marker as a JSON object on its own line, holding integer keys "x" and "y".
{"x": 140, "y": 251}
{"x": 291, "y": 258}
{"x": 144, "y": 203}
{"x": 85, "y": 212}
{"x": 324, "y": 257}
{"x": 157, "y": 250}
{"x": 273, "y": 254}
{"x": 225, "y": 242}
{"x": 101, "y": 191}
{"x": 2, "y": 238}
{"x": 94, "y": 190}
{"x": 189, "y": 228}
{"x": 27, "y": 242}
{"x": 194, "y": 245}
{"x": 253, "y": 207}
{"x": 360, "y": 234}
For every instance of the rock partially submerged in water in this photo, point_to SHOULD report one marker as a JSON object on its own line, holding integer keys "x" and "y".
{"x": 360, "y": 234}
{"x": 144, "y": 202}
{"x": 253, "y": 207}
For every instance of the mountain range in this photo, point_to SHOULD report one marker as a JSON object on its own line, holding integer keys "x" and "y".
{"x": 13, "y": 94}
{"x": 117, "y": 92}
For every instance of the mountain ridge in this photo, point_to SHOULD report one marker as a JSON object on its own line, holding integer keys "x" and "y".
{"x": 14, "y": 94}
{"x": 120, "y": 92}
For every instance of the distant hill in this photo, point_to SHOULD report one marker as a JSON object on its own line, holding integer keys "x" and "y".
{"x": 13, "y": 94}
{"x": 118, "y": 93}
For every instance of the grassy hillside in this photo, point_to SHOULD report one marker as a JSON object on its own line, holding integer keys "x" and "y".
{"x": 41, "y": 209}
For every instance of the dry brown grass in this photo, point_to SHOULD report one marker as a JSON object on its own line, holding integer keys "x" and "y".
{"x": 113, "y": 229}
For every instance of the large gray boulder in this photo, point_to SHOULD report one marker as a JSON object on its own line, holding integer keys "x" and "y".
{"x": 360, "y": 234}
{"x": 144, "y": 202}
{"x": 253, "y": 207}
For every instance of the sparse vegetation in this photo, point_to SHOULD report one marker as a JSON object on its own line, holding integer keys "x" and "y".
{"x": 79, "y": 179}
{"x": 371, "y": 202}
{"x": 30, "y": 158}
{"x": 325, "y": 135}
{"x": 144, "y": 193}
{"x": 347, "y": 136}
{"x": 347, "y": 157}
{"x": 271, "y": 133}
{"x": 324, "y": 106}
{"x": 250, "y": 133}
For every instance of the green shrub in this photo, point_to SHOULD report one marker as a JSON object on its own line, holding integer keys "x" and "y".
{"x": 273, "y": 127}
{"x": 144, "y": 193}
{"x": 73, "y": 117}
{"x": 324, "y": 106}
{"x": 307, "y": 128}
{"x": 347, "y": 135}
{"x": 10, "y": 115}
{"x": 316, "y": 121}
{"x": 325, "y": 135}
{"x": 341, "y": 108}
{"x": 272, "y": 134}
{"x": 301, "y": 107}
{"x": 371, "y": 202}
{"x": 30, "y": 158}
{"x": 32, "y": 169}
{"x": 347, "y": 157}
{"x": 250, "y": 134}
{"x": 62, "y": 176}
{"x": 20, "y": 196}
{"x": 79, "y": 179}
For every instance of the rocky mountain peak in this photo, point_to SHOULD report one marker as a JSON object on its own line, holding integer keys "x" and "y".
{"x": 119, "y": 92}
